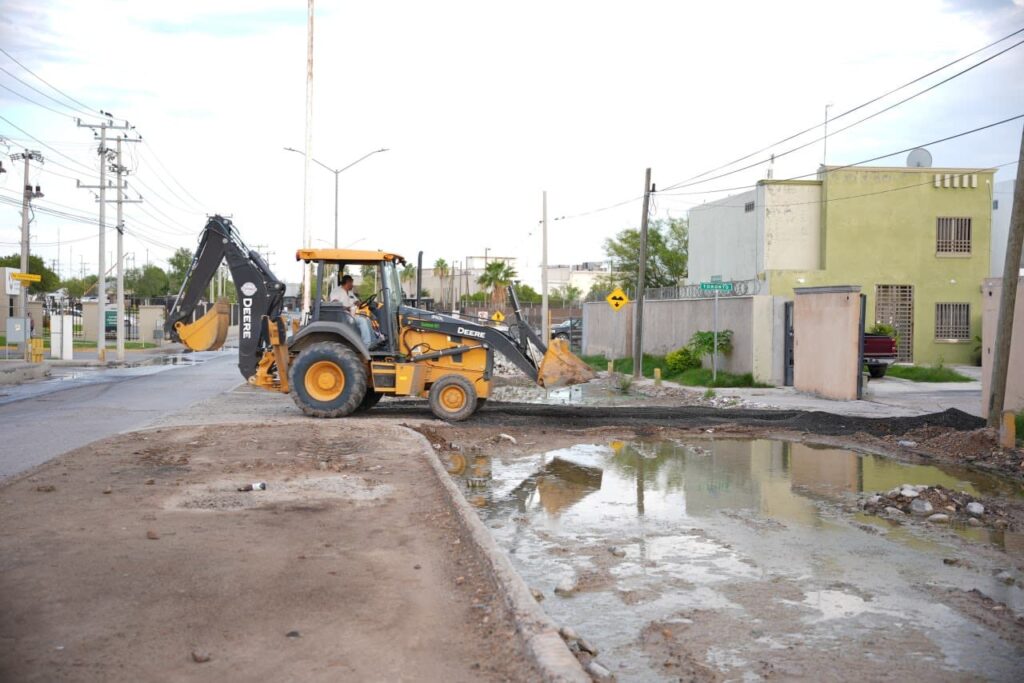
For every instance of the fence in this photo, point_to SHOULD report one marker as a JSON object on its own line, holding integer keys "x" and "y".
{"x": 690, "y": 291}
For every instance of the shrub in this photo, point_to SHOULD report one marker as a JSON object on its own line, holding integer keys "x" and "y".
{"x": 681, "y": 360}
{"x": 702, "y": 343}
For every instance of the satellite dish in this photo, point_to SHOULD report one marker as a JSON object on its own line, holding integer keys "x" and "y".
{"x": 919, "y": 158}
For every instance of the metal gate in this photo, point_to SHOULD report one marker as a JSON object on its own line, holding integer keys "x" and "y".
{"x": 894, "y": 305}
{"x": 788, "y": 345}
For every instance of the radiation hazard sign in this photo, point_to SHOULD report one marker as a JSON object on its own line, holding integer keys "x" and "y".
{"x": 617, "y": 299}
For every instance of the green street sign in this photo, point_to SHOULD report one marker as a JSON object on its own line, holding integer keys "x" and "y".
{"x": 716, "y": 286}
{"x": 111, "y": 318}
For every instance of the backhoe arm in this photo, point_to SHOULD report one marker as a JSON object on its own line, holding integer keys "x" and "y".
{"x": 260, "y": 294}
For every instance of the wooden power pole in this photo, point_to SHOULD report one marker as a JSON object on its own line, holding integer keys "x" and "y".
{"x": 1008, "y": 300}
{"x": 641, "y": 280}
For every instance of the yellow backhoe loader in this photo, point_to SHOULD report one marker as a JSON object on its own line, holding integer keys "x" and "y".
{"x": 324, "y": 363}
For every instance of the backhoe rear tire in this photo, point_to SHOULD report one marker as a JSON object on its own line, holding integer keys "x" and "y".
{"x": 453, "y": 398}
{"x": 327, "y": 379}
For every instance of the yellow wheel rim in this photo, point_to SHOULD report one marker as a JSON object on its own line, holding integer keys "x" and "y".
{"x": 324, "y": 381}
{"x": 453, "y": 398}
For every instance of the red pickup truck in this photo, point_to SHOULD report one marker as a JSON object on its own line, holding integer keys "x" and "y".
{"x": 879, "y": 353}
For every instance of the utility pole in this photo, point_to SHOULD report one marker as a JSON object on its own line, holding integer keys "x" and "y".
{"x": 28, "y": 194}
{"x": 824, "y": 152}
{"x": 638, "y": 316}
{"x": 544, "y": 270}
{"x": 307, "y": 200}
{"x": 101, "y": 299}
{"x": 1007, "y": 302}
{"x": 121, "y": 185}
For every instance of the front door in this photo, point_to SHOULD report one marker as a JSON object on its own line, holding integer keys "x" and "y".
{"x": 894, "y": 305}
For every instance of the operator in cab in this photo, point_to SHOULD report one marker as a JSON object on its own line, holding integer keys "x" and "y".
{"x": 342, "y": 293}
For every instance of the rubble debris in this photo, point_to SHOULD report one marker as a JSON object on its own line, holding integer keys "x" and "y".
{"x": 200, "y": 656}
{"x": 937, "y": 504}
{"x": 566, "y": 586}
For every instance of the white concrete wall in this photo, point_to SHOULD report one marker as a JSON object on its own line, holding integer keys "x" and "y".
{"x": 724, "y": 239}
{"x": 792, "y": 226}
{"x": 1003, "y": 195}
{"x": 991, "y": 291}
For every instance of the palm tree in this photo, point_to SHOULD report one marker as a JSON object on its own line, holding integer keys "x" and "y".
{"x": 409, "y": 275}
{"x": 441, "y": 271}
{"x": 496, "y": 277}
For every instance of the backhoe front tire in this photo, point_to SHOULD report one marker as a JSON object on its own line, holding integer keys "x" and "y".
{"x": 327, "y": 379}
{"x": 371, "y": 399}
{"x": 453, "y": 398}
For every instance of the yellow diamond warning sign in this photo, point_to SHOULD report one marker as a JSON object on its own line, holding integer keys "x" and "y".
{"x": 617, "y": 299}
{"x": 498, "y": 317}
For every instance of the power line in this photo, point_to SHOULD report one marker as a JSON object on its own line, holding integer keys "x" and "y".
{"x": 90, "y": 111}
{"x": 693, "y": 182}
{"x": 37, "y": 140}
{"x": 856, "y": 108}
{"x": 38, "y": 104}
{"x": 171, "y": 175}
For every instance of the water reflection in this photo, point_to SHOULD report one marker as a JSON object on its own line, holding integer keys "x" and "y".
{"x": 671, "y": 480}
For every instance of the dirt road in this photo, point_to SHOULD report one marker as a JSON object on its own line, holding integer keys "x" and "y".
{"x": 135, "y": 557}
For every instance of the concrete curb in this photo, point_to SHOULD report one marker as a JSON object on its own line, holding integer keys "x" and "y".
{"x": 538, "y": 632}
{"x": 18, "y": 372}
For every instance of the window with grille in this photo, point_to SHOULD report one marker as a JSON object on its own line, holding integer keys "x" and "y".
{"x": 953, "y": 236}
{"x": 748, "y": 207}
{"x": 953, "y": 321}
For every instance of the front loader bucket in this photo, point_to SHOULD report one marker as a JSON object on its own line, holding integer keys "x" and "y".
{"x": 209, "y": 332}
{"x": 560, "y": 367}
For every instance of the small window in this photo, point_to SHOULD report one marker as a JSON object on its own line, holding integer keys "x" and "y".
{"x": 748, "y": 207}
{"x": 953, "y": 322}
{"x": 995, "y": 204}
{"x": 953, "y": 236}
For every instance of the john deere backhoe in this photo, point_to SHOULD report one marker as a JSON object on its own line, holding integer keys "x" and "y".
{"x": 325, "y": 365}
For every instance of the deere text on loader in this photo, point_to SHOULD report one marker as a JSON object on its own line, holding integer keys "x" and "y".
{"x": 325, "y": 365}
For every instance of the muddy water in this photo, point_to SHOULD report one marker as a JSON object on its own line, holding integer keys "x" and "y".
{"x": 740, "y": 559}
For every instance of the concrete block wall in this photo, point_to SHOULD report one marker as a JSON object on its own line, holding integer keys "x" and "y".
{"x": 150, "y": 318}
{"x": 756, "y": 323}
{"x": 991, "y": 291}
{"x": 90, "y": 320}
{"x": 826, "y": 328}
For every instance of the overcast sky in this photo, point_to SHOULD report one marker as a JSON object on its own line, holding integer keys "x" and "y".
{"x": 483, "y": 105}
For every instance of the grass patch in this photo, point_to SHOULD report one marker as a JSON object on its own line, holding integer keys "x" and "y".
{"x": 1019, "y": 420}
{"x": 920, "y": 373}
{"x": 696, "y": 377}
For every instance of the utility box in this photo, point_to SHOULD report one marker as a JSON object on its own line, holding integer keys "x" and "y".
{"x": 62, "y": 337}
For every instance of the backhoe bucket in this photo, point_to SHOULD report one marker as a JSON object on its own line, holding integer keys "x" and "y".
{"x": 560, "y": 367}
{"x": 209, "y": 332}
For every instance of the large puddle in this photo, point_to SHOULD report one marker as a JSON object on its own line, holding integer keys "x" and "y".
{"x": 726, "y": 557}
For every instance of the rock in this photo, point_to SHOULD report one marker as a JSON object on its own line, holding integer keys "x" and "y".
{"x": 976, "y": 509}
{"x": 939, "y": 518}
{"x": 1005, "y": 577}
{"x": 1001, "y": 524}
{"x": 895, "y": 512}
{"x": 200, "y": 656}
{"x": 919, "y": 506}
{"x": 906, "y": 443}
{"x": 152, "y": 535}
{"x": 909, "y": 492}
{"x": 894, "y": 492}
{"x": 599, "y": 672}
{"x": 617, "y": 551}
{"x": 568, "y": 634}
{"x": 537, "y": 595}
{"x": 293, "y": 634}
{"x": 459, "y": 580}
{"x": 46, "y": 488}
{"x": 587, "y": 647}
{"x": 508, "y": 438}
{"x": 873, "y": 500}
{"x": 566, "y": 586}
{"x": 108, "y": 490}
{"x": 150, "y": 482}
{"x": 973, "y": 521}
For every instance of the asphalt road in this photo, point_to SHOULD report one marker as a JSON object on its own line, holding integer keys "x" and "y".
{"x": 42, "y": 420}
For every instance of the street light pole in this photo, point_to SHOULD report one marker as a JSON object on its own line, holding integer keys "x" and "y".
{"x": 337, "y": 172}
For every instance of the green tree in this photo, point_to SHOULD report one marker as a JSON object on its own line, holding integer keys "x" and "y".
{"x": 496, "y": 277}
{"x": 149, "y": 281}
{"x": 178, "y": 265}
{"x": 77, "y": 287}
{"x": 368, "y": 285}
{"x": 50, "y": 281}
{"x": 526, "y": 294}
{"x": 667, "y": 254}
{"x": 441, "y": 271}
{"x": 408, "y": 277}
{"x": 566, "y": 296}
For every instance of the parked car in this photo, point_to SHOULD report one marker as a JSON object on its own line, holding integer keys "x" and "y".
{"x": 570, "y": 330}
{"x": 879, "y": 353}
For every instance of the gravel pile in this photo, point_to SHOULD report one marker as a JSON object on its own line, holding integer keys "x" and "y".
{"x": 935, "y": 504}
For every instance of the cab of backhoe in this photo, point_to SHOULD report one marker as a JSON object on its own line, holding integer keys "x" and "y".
{"x": 382, "y": 300}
